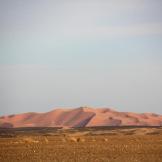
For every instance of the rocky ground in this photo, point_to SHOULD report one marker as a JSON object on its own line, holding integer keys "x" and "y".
{"x": 103, "y": 144}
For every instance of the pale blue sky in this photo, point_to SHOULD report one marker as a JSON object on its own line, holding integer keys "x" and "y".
{"x": 102, "y": 53}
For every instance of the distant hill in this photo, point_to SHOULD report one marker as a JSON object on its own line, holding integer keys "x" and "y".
{"x": 81, "y": 117}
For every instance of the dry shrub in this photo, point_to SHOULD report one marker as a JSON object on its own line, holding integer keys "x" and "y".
{"x": 63, "y": 140}
{"x": 29, "y": 140}
{"x": 46, "y": 140}
{"x": 82, "y": 140}
{"x": 73, "y": 139}
{"x": 105, "y": 139}
{"x": 76, "y": 139}
{"x": 93, "y": 140}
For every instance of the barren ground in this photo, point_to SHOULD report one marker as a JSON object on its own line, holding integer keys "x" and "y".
{"x": 103, "y": 144}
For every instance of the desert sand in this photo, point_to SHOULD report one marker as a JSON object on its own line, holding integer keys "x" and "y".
{"x": 89, "y": 144}
{"x": 81, "y": 117}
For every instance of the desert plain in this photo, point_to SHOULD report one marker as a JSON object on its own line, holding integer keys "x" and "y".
{"x": 89, "y": 144}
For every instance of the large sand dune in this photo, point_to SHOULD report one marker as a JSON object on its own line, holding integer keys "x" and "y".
{"x": 81, "y": 117}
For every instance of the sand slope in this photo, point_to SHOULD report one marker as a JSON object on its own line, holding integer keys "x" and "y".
{"x": 81, "y": 117}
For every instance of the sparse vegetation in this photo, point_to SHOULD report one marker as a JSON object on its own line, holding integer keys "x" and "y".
{"x": 81, "y": 145}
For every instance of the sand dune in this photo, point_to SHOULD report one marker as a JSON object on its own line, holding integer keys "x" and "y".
{"x": 81, "y": 117}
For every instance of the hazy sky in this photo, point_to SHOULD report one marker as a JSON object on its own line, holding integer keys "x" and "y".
{"x": 59, "y": 53}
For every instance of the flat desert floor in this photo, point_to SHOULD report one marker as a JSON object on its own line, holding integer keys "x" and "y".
{"x": 100, "y": 144}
